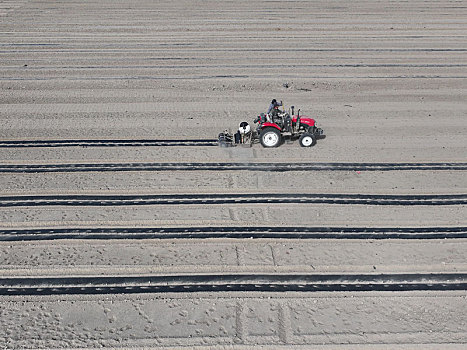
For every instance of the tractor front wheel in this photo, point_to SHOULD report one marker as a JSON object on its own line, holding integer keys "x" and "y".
{"x": 307, "y": 140}
{"x": 270, "y": 137}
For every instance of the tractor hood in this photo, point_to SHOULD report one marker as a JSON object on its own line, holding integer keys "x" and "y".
{"x": 304, "y": 120}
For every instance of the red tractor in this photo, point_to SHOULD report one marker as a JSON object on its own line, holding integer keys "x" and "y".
{"x": 273, "y": 129}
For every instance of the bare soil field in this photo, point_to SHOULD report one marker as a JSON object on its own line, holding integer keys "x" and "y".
{"x": 116, "y": 247}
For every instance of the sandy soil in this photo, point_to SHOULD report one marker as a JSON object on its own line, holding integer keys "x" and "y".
{"x": 215, "y": 256}
{"x": 386, "y": 80}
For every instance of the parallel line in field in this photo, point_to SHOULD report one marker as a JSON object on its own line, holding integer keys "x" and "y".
{"x": 244, "y": 66}
{"x": 229, "y": 198}
{"x": 230, "y": 283}
{"x": 295, "y": 232}
{"x": 191, "y": 48}
{"x": 229, "y": 76}
{"x": 105, "y": 143}
{"x": 228, "y": 166}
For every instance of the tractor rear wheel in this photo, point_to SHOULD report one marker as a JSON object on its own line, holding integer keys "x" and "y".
{"x": 307, "y": 140}
{"x": 270, "y": 137}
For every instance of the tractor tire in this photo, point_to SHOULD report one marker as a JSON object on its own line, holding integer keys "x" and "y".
{"x": 270, "y": 137}
{"x": 307, "y": 140}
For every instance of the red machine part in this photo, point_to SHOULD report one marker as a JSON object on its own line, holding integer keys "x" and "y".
{"x": 266, "y": 124}
{"x": 304, "y": 120}
{"x": 307, "y": 121}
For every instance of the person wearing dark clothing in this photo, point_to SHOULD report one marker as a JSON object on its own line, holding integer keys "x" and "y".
{"x": 272, "y": 110}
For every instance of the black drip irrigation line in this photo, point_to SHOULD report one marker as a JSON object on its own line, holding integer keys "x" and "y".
{"x": 296, "y": 232}
{"x": 229, "y": 166}
{"x": 216, "y": 199}
{"x": 232, "y": 283}
{"x": 106, "y": 143}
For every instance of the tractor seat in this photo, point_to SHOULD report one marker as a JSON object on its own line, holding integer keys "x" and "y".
{"x": 278, "y": 120}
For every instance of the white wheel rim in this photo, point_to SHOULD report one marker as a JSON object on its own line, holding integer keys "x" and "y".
{"x": 307, "y": 141}
{"x": 270, "y": 139}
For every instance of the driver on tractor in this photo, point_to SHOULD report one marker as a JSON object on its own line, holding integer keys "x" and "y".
{"x": 273, "y": 109}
